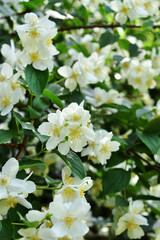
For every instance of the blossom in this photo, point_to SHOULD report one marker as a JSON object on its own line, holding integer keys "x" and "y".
{"x": 6, "y": 72}
{"x": 101, "y": 147}
{"x": 36, "y": 37}
{"x": 131, "y": 223}
{"x": 8, "y": 97}
{"x": 124, "y": 9}
{"x": 69, "y": 217}
{"x": 29, "y": 233}
{"x": 54, "y": 129}
{"x": 12, "y": 189}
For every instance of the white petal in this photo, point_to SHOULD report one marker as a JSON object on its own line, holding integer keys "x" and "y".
{"x": 78, "y": 228}
{"x": 52, "y": 143}
{"x": 7, "y": 70}
{"x": 65, "y": 71}
{"x": 47, "y": 234}
{"x": 60, "y": 229}
{"x": 63, "y": 148}
{"x": 35, "y": 215}
{"x": 11, "y": 168}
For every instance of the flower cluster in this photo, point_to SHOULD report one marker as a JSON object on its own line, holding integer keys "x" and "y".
{"x": 132, "y": 220}
{"x": 139, "y": 74}
{"x": 85, "y": 71}
{"x": 65, "y": 217}
{"x": 69, "y": 128}
{"x": 12, "y": 189}
{"x": 133, "y": 9}
{"x": 99, "y": 149}
{"x": 36, "y": 37}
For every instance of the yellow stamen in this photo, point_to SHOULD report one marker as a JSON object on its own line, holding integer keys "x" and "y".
{"x": 5, "y": 101}
{"x": 11, "y": 202}
{"x": 137, "y": 80}
{"x": 2, "y": 78}
{"x": 33, "y": 33}
{"x": 4, "y": 181}
{"x": 124, "y": 10}
{"x": 54, "y": 130}
{"x": 68, "y": 192}
{"x": 34, "y": 56}
{"x": 69, "y": 221}
{"x": 75, "y": 133}
{"x": 105, "y": 148}
{"x": 49, "y": 41}
{"x": 76, "y": 117}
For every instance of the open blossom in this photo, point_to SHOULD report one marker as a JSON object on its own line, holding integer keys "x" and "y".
{"x": 131, "y": 223}
{"x": 8, "y": 97}
{"x": 132, "y": 220}
{"x": 13, "y": 190}
{"x": 73, "y": 187}
{"x": 36, "y": 37}
{"x": 69, "y": 217}
{"x": 54, "y": 128}
{"x": 101, "y": 147}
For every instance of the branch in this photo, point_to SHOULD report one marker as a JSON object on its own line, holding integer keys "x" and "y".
{"x": 144, "y": 160}
{"x": 23, "y": 145}
{"x": 61, "y": 29}
{"x": 12, "y": 145}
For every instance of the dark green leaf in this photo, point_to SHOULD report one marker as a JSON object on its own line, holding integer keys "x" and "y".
{"x": 53, "y": 98}
{"x": 28, "y": 163}
{"x": 115, "y": 180}
{"x": 33, "y": 113}
{"x": 151, "y": 140}
{"x": 6, "y": 135}
{"x": 76, "y": 164}
{"x": 37, "y": 80}
{"x": 107, "y": 38}
{"x": 153, "y": 126}
{"x": 133, "y": 50}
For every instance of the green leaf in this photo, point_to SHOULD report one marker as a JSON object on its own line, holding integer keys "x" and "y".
{"x": 33, "y": 113}
{"x": 53, "y": 98}
{"x": 153, "y": 126}
{"x": 29, "y": 5}
{"x": 116, "y": 158}
{"x": 77, "y": 167}
{"x": 28, "y": 163}
{"x": 82, "y": 13}
{"x": 151, "y": 140}
{"x": 0, "y": 225}
{"x": 37, "y": 80}
{"x": 124, "y": 44}
{"x": 133, "y": 50}
{"x": 6, "y": 135}
{"x": 115, "y": 180}
{"x": 74, "y": 162}
{"x": 107, "y": 38}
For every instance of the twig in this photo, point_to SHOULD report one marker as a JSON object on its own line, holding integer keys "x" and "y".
{"x": 144, "y": 160}
{"x": 12, "y": 145}
{"x": 61, "y": 29}
{"x": 23, "y": 145}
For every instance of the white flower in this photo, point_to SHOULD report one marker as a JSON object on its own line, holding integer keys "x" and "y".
{"x": 54, "y": 128}
{"x": 72, "y": 75}
{"x": 6, "y": 72}
{"x": 69, "y": 217}
{"x": 9, "y": 53}
{"x": 124, "y": 9}
{"x": 131, "y": 223}
{"x": 29, "y": 233}
{"x": 11, "y": 200}
{"x": 8, "y": 97}
{"x": 13, "y": 190}
{"x": 136, "y": 207}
